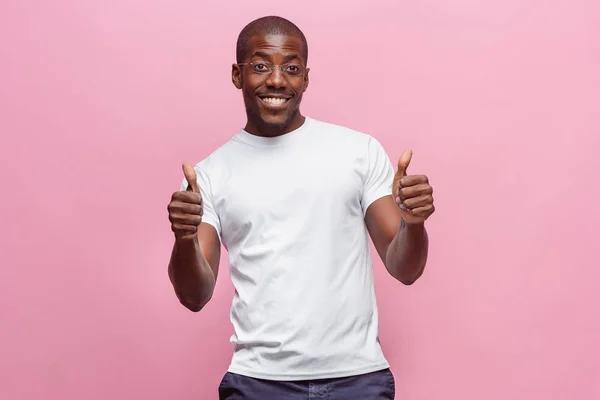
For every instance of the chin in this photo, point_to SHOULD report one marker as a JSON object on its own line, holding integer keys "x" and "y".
{"x": 275, "y": 121}
{"x": 273, "y": 127}
{"x": 270, "y": 123}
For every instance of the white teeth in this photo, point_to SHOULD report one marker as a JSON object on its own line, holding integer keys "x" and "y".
{"x": 273, "y": 100}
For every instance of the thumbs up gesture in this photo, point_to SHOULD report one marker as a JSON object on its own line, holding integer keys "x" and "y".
{"x": 412, "y": 193}
{"x": 185, "y": 208}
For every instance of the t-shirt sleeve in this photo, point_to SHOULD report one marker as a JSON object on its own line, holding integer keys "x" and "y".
{"x": 379, "y": 175}
{"x": 210, "y": 215}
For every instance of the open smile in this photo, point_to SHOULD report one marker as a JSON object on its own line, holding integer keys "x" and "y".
{"x": 274, "y": 102}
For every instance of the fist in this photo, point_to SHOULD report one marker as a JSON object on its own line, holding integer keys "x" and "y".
{"x": 413, "y": 193}
{"x": 185, "y": 208}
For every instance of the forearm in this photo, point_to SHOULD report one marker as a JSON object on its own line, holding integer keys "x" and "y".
{"x": 190, "y": 274}
{"x": 406, "y": 255}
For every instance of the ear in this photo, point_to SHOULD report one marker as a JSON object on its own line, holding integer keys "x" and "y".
{"x": 306, "y": 80}
{"x": 236, "y": 76}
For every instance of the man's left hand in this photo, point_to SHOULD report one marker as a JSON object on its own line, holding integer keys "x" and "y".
{"x": 413, "y": 193}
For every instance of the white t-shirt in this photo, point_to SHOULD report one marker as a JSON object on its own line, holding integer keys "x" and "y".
{"x": 290, "y": 212}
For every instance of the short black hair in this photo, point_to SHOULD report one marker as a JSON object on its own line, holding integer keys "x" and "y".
{"x": 269, "y": 25}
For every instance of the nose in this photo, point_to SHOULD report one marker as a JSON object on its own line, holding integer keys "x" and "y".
{"x": 276, "y": 79}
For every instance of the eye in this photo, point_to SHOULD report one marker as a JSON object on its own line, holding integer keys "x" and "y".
{"x": 293, "y": 69}
{"x": 260, "y": 67}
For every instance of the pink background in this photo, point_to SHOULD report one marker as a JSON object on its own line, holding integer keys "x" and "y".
{"x": 101, "y": 101}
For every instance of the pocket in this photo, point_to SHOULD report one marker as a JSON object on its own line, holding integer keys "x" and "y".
{"x": 224, "y": 381}
{"x": 224, "y": 387}
{"x": 391, "y": 383}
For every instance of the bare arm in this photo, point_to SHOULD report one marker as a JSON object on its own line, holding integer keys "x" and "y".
{"x": 194, "y": 267}
{"x": 403, "y": 248}
{"x": 194, "y": 263}
{"x": 397, "y": 223}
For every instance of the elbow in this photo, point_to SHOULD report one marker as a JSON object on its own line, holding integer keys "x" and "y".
{"x": 408, "y": 279}
{"x": 193, "y": 305}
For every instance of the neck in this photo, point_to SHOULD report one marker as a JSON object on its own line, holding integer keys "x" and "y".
{"x": 260, "y": 128}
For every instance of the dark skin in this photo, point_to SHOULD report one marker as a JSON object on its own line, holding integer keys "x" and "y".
{"x": 396, "y": 225}
{"x": 262, "y": 119}
{"x": 194, "y": 263}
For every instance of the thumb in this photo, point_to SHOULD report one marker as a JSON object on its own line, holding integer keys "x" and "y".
{"x": 190, "y": 176}
{"x": 403, "y": 162}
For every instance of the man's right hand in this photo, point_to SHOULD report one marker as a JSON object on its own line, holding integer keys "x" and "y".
{"x": 185, "y": 208}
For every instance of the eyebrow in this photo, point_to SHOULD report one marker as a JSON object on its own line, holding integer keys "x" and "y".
{"x": 286, "y": 58}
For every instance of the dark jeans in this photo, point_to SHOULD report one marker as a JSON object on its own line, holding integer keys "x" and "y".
{"x": 378, "y": 385}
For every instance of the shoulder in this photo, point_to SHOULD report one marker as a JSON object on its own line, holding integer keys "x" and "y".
{"x": 340, "y": 131}
{"x": 209, "y": 170}
{"x": 346, "y": 138}
{"x": 222, "y": 156}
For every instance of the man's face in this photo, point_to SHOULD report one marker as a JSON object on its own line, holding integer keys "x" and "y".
{"x": 272, "y": 99}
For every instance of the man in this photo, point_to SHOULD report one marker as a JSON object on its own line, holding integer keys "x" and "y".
{"x": 294, "y": 201}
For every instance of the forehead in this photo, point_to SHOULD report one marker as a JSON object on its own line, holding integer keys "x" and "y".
{"x": 275, "y": 45}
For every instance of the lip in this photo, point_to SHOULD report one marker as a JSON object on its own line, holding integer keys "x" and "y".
{"x": 274, "y": 106}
